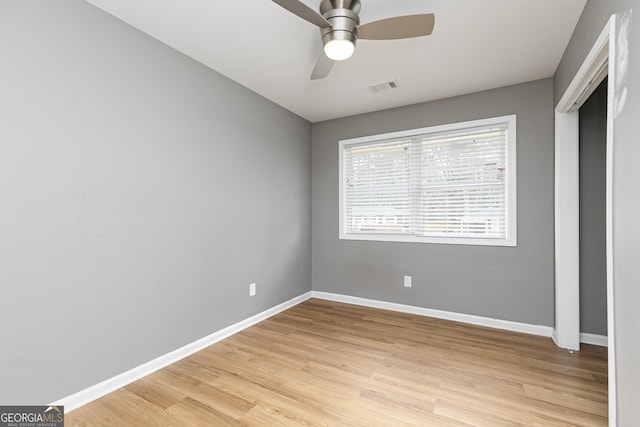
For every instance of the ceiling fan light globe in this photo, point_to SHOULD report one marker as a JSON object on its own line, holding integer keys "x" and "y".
{"x": 339, "y": 50}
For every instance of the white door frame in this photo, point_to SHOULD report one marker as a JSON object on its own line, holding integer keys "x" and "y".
{"x": 599, "y": 63}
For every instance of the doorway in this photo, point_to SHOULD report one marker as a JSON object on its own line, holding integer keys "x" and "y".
{"x": 599, "y": 63}
{"x": 592, "y": 206}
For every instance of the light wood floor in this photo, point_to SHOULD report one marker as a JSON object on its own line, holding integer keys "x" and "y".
{"x": 330, "y": 364}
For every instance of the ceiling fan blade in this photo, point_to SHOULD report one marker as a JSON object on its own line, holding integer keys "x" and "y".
{"x": 400, "y": 27}
{"x": 323, "y": 67}
{"x": 303, "y": 11}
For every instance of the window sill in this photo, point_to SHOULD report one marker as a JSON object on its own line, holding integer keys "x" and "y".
{"x": 401, "y": 238}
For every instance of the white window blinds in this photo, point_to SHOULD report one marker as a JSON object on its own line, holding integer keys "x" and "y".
{"x": 454, "y": 182}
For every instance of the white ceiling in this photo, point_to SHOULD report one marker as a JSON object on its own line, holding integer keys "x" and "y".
{"x": 476, "y": 45}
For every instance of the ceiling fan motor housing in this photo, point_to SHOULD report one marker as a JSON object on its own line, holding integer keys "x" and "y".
{"x": 344, "y": 20}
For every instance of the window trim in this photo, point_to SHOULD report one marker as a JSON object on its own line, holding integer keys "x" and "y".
{"x": 510, "y": 190}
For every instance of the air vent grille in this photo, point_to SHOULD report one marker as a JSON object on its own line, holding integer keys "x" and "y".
{"x": 379, "y": 87}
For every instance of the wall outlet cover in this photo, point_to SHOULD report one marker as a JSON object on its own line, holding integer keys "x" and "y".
{"x": 407, "y": 281}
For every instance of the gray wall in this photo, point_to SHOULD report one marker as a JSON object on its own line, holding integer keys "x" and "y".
{"x": 593, "y": 254}
{"x": 141, "y": 194}
{"x": 626, "y": 203}
{"x": 506, "y": 283}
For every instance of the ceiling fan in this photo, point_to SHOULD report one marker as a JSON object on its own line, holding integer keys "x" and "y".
{"x": 340, "y": 27}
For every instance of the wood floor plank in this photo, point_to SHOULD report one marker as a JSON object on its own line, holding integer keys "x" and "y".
{"x": 221, "y": 401}
{"x": 324, "y": 363}
{"x": 473, "y": 415}
{"x": 155, "y": 392}
{"x": 190, "y": 412}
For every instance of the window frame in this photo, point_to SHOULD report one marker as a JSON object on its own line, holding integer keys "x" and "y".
{"x": 510, "y": 184}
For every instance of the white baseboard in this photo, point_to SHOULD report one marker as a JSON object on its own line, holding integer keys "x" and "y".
{"x": 601, "y": 340}
{"x": 508, "y": 325}
{"x": 96, "y": 391}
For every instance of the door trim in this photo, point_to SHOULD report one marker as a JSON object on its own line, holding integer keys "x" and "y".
{"x": 599, "y": 63}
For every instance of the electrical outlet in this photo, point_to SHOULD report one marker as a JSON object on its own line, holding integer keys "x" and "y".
{"x": 252, "y": 289}
{"x": 407, "y": 281}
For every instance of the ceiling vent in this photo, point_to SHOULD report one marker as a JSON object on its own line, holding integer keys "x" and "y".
{"x": 379, "y": 87}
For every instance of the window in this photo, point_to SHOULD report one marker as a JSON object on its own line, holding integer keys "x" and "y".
{"x": 443, "y": 184}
